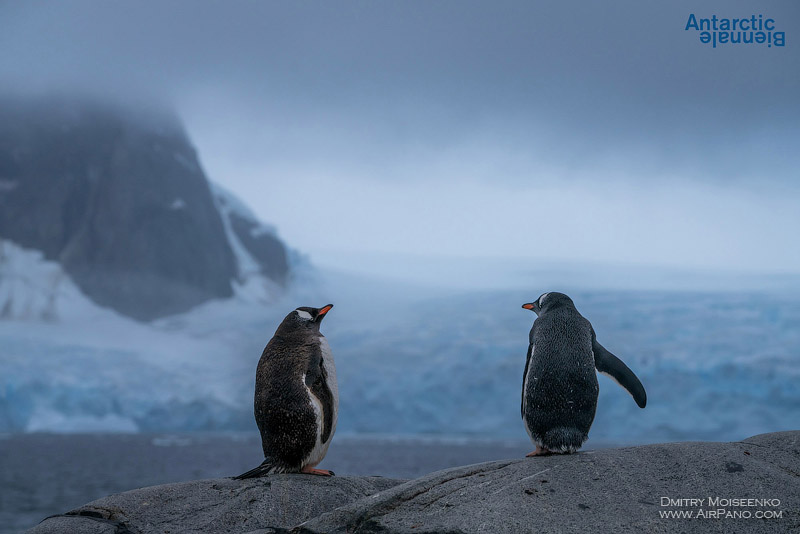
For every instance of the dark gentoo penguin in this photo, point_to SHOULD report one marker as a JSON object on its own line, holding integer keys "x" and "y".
{"x": 297, "y": 398}
{"x": 559, "y": 387}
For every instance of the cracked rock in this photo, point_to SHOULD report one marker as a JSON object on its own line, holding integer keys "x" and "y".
{"x": 270, "y": 504}
{"x": 611, "y": 490}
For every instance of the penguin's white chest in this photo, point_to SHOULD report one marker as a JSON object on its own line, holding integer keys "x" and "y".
{"x": 320, "y": 447}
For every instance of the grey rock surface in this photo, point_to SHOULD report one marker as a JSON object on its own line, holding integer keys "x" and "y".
{"x": 79, "y": 525}
{"x": 609, "y": 490}
{"x": 612, "y": 490}
{"x": 216, "y": 505}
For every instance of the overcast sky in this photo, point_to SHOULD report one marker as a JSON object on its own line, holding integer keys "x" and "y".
{"x": 586, "y": 131}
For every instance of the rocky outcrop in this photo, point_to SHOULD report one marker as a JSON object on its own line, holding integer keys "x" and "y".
{"x": 634, "y": 489}
{"x": 217, "y": 505}
{"x": 257, "y": 240}
{"x": 265, "y": 248}
{"x": 612, "y": 490}
{"x": 119, "y": 199}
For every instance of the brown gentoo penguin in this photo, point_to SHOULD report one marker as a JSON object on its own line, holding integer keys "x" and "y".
{"x": 559, "y": 386}
{"x": 296, "y": 399}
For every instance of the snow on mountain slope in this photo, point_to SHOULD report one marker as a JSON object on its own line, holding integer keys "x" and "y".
{"x": 87, "y": 368}
{"x": 32, "y": 288}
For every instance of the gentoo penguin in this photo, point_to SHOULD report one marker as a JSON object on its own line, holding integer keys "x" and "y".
{"x": 296, "y": 399}
{"x": 559, "y": 387}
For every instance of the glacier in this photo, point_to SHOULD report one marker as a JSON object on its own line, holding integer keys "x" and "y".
{"x": 717, "y": 365}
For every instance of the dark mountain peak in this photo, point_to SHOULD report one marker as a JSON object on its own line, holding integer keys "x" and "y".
{"x": 119, "y": 198}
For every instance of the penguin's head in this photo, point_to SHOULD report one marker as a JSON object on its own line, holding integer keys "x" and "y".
{"x": 302, "y": 320}
{"x": 548, "y": 301}
{"x": 309, "y": 317}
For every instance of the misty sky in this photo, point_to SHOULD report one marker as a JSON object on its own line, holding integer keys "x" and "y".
{"x": 599, "y": 132}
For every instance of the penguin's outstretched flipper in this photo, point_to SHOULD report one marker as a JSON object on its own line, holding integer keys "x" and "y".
{"x": 267, "y": 466}
{"x": 610, "y": 365}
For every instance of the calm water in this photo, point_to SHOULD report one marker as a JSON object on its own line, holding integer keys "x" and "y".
{"x": 45, "y": 474}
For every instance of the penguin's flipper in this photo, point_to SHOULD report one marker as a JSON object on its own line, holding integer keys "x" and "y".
{"x": 527, "y": 364}
{"x": 317, "y": 382}
{"x": 610, "y": 365}
{"x": 524, "y": 376}
{"x": 267, "y": 466}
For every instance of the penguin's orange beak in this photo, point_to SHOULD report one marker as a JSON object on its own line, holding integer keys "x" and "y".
{"x": 321, "y": 313}
{"x": 528, "y": 306}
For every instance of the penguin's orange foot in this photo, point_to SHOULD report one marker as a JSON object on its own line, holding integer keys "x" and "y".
{"x": 539, "y": 452}
{"x": 321, "y": 472}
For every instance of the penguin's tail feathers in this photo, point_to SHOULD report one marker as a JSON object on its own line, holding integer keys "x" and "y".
{"x": 267, "y": 467}
{"x": 564, "y": 439}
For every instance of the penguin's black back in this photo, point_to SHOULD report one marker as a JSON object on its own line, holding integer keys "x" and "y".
{"x": 560, "y": 396}
{"x": 283, "y": 412}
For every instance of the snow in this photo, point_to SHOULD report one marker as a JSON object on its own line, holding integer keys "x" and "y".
{"x": 32, "y": 288}
{"x": 57, "y": 422}
{"x": 250, "y": 284}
